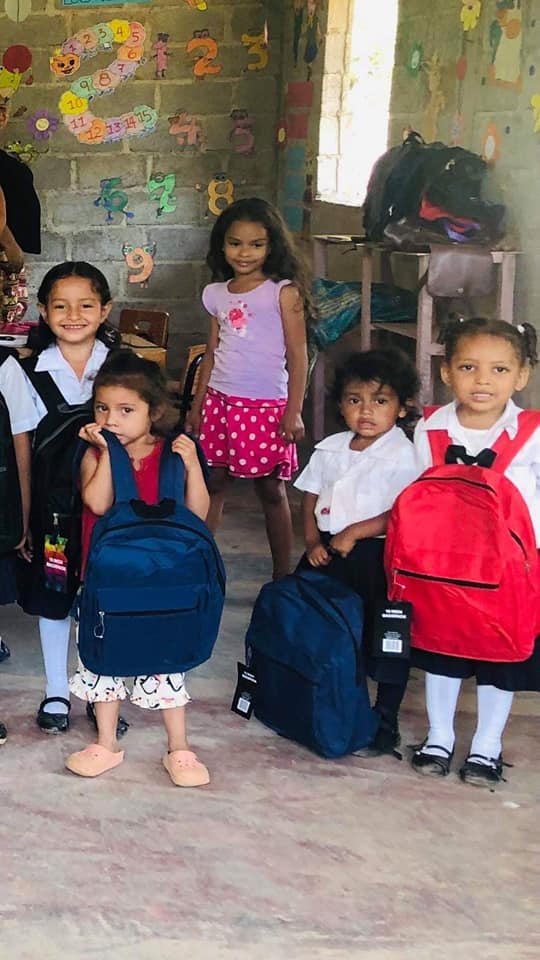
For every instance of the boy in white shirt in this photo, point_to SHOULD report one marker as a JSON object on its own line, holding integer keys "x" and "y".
{"x": 350, "y": 484}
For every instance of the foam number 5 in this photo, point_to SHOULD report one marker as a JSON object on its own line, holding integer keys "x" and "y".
{"x": 205, "y": 61}
{"x": 74, "y": 103}
{"x": 257, "y": 47}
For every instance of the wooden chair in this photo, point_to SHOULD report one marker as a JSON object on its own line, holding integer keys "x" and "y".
{"x": 152, "y": 324}
{"x": 188, "y": 385}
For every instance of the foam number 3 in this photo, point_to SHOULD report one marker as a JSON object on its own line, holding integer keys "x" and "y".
{"x": 75, "y": 102}
{"x": 205, "y": 61}
{"x": 257, "y": 47}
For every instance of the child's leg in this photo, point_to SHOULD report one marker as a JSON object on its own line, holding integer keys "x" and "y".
{"x": 105, "y": 693}
{"x": 174, "y": 720}
{"x": 107, "y": 722}
{"x": 272, "y": 494}
{"x": 54, "y": 636}
{"x": 388, "y": 702}
{"x": 494, "y": 707}
{"x": 217, "y": 486}
{"x": 441, "y": 700}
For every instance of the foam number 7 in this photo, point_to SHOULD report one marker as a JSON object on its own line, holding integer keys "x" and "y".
{"x": 205, "y": 61}
{"x": 166, "y": 184}
{"x": 257, "y": 47}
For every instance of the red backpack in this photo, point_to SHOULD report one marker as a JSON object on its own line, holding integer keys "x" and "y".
{"x": 460, "y": 547}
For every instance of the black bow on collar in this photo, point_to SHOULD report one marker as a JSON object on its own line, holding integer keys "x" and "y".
{"x": 456, "y": 454}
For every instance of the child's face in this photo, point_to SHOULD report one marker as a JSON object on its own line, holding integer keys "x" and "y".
{"x": 124, "y": 413}
{"x": 483, "y": 374}
{"x": 370, "y": 408}
{"x": 246, "y": 247}
{"x": 74, "y": 311}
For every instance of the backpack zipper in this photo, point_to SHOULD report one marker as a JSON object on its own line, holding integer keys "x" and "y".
{"x": 99, "y": 629}
{"x": 457, "y": 583}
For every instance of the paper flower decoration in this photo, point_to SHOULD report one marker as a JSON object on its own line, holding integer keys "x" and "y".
{"x": 491, "y": 144}
{"x": 414, "y": 62}
{"x": 470, "y": 13}
{"x": 42, "y": 124}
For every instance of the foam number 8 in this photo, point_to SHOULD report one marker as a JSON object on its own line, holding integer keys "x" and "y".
{"x": 220, "y": 193}
{"x": 74, "y": 102}
{"x": 205, "y": 61}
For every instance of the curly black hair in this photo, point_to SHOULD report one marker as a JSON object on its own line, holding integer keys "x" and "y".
{"x": 522, "y": 337}
{"x": 389, "y": 367}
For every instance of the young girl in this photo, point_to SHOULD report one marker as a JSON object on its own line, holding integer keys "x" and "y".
{"x": 71, "y": 343}
{"x": 350, "y": 484}
{"x": 485, "y": 363}
{"x": 130, "y": 400}
{"x": 248, "y": 403}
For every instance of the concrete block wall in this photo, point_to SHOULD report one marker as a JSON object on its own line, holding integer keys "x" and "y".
{"x": 68, "y": 173}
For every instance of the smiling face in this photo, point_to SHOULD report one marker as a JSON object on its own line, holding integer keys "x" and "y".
{"x": 124, "y": 413}
{"x": 370, "y": 409}
{"x": 483, "y": 374}
{"x": 246, "y": 247}
{"x": 74, "y": 311}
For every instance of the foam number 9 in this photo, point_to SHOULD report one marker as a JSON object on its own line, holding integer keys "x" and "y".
{"x": 205, "y": 61}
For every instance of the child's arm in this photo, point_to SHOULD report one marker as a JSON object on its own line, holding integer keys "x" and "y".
{"x": 196, "y": 494}
{"x": 193, "y": 416}
{"x": 97, "y": 489}
{"x": 291, "y": 426}
{"x": 344, "y": 541}
{"x": 23, "y": 456}
{"x": 315, "y": 551}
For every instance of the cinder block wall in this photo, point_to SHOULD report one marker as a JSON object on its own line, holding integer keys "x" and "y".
{"x": 68, "y": 173}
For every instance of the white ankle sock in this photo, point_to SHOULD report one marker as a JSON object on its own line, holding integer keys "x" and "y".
{"x": 441, "y": 699}
{"x": 494, "y": 707}
{"x": 54, "y": 635}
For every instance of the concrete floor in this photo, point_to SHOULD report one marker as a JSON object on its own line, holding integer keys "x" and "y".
{"x": 283, "y": 855}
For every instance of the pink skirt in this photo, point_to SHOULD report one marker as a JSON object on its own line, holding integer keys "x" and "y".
{"x": 241, "y": 434}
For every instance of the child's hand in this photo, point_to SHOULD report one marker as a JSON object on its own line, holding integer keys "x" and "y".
{"x": 342, "y": 543}
{"x": 92, "y": 434}
{"x": 318, "y": 555}
{"x": 24, "y": 548}
{"x": 192, "y": 422}
{"x": 185, "y": 448}
{"x": 291, "y": 427}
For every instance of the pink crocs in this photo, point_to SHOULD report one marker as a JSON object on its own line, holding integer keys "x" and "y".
{"x": 185, "y": 770}
{"x": 93, "y": 760}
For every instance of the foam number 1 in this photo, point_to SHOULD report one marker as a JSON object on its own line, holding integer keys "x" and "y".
{"x": 205, "y": 61}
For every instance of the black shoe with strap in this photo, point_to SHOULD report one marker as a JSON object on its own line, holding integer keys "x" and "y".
{"x": 5, "y": 652}
{"x": 430, "y": 764}
{"x": 122, "y": 725}
{"x": 481, "y": 771}
{"x": 386, "y": 741}
{"x": 3, "y": 734}
{"x": 53, "y": 722}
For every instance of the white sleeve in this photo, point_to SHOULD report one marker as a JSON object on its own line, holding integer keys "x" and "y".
{"x": 406, "y": 472}
{"x": 422, "y": 447}
{"x": 311, "y": 478}
{"x": 15, "y": 389}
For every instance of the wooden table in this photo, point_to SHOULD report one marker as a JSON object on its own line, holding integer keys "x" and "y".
{"x": 144, "y": 348}
{"x": 421, "y": 331}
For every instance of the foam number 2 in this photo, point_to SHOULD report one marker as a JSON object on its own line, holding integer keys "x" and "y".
{"x": 205, "y": 61}
{"x": 74, "y": 103}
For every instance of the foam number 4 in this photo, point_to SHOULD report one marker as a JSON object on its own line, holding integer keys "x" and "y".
{"x": 74, "y": 103}
{"x": 257, "y": 47}
{"x": 205, "y": 61}
{"x": 164, "y": 185}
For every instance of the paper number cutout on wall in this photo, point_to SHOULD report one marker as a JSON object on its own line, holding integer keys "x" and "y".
{"x": 161, "y": 187}
{"x": 220, "y": 193}
{"x": 74, "y": 102}
{"x": 187, "y": 129}
{"x": 113, "y": 199}
{"x": 204, "y": 63}
{"x": 141, "y": 261}
{"x": 241, "y": 135}
{"x": 258, "y": 47}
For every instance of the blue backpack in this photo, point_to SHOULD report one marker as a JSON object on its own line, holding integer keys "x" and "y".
{"x": 303, "y": 645}
{"x": 155, "y": 584}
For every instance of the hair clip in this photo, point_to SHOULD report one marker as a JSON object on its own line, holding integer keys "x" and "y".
{"x": 520, "y": 328}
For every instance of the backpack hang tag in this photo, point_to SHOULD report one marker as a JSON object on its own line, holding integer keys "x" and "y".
{"x": 392, "y": 633}
{"x": 55, "y": 566}
{"x": 244, "y": 695}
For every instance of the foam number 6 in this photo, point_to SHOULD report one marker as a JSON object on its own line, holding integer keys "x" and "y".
{"x": 74, "y": 102}
{"x": 257, "y": 46}
{"x": 205, "y": 61}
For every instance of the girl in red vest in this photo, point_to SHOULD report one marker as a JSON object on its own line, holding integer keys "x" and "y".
{"x": 485, "y": 363}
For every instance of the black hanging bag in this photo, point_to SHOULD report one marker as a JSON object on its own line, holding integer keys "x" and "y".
{"x": 11, "y": 518}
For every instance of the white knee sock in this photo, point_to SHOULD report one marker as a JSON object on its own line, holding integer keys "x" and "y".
{"x": 54, "y": 635}
{"x": 441, "y": 700}
{"x": 493, "y": 711}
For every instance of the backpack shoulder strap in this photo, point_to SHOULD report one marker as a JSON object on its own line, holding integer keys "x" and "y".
{"x": 438, "y": 439}
{"x": 6, "y": 352}
{"x": 507, "y": 448}
{"x": 43, "y": 383}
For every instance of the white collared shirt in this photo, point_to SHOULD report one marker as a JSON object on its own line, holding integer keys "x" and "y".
{"x": 355, "y": 485}
{"x": 14, "y": 389}
{"x": 72, "y": 389}
{"x": 524, "y": 471}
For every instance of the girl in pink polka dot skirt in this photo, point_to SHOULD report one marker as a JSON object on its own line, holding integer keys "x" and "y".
{"x": 247, "y": 407}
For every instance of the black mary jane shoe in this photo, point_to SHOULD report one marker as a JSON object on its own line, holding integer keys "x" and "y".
{"x": 429, "y": 764}
{"x": 482, "y": 771}
{"x": 122, "y": 725}
{"x": 386, "y": 741}
{"x": 53, "y": 722}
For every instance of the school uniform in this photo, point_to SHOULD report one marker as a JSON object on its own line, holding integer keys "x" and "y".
{"x": 351, "y": 486}
{"x": 524, "y": 472}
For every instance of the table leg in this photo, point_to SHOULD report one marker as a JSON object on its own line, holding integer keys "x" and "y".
{"x": 367, "y": 277}
{"x": 424, "y": 337}
{"x": 505, "y": 287}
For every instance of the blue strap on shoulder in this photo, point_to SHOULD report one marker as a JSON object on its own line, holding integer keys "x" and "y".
{"x": 125, "y": 488}
{"x": 172, "y": 475}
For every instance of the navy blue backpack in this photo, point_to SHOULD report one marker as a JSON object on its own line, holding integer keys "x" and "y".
{"x": 303, "y": 645}
{"x": 155, "y": 584}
